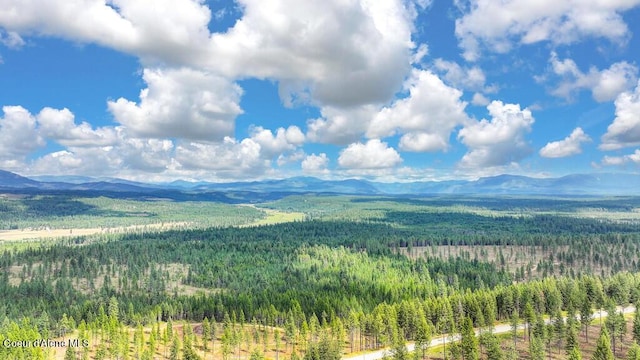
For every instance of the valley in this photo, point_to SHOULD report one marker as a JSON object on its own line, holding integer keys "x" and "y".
{"x": 316, "y": 276}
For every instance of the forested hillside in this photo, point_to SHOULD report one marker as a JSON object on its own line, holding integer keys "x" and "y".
{"x": 360, "y": 274}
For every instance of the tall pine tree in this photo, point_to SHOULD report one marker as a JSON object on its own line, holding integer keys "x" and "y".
{"x": 468, "y": 340}
{"x": 603, "y": 348}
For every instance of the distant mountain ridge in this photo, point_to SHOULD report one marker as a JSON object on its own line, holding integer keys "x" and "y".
{"x": 11, "y": 180}
{"x": 576, "y": 184}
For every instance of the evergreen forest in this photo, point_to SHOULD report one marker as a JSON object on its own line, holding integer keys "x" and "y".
{"x": 321, "y": 277}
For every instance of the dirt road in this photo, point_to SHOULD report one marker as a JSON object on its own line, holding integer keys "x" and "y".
{"x": 498, "y": 329}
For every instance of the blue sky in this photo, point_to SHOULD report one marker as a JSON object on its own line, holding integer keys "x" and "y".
{"x": 389, "y": 90}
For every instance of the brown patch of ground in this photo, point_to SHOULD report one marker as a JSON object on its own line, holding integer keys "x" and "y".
{"x": 534, "y": 261}
{"x": 48, "y": 233}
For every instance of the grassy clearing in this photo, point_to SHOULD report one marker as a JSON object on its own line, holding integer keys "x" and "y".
{"x": 276, "y": 217}
{"x": 48, "y": 233}
{"x": 251, "y": 338}
{"x": 119, "y": 276}
{"x": 534, "y": 262}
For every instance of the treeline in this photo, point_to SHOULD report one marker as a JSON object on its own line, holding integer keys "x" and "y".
{"x": 249, "y": 269}
{"x": 335, "y": 275}
{"x": 462, "y": 228}
{"x": 115, "y": 329}
{"x": 68, "y": 211}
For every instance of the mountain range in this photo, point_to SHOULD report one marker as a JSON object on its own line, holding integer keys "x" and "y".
{"x": 577, "y": 184}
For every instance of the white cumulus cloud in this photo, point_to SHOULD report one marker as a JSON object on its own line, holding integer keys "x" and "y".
{"x": 426, "y": 117}
{"x": 374, "y": 154}
{"x": 625, "y": 129}
{"x": 227, "y": 159}
{"x": 471, "y": 78}
{"x": 182, "y": 103}
{"x": 622, "y": 160}
{"x": 166, "y": 31}
{"x": 315, "y": 164}
{"x": 296, "y": 42}
{"x": 571, "y": 145}
{"x": 604, "y": 84}
{"x": 18, "y": 136}
{"x": 59, "y": 125}
{"x": 499, "y": 141}
{"x": 480, "y": 100}
{"x": 340, "y": 126}
{"x": 290, "y": 41}
{"x": 417, "y": 141}
{"x": 497, "y": 25}
{"x": 283, "y": 140}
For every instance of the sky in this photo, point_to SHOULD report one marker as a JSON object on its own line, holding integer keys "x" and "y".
{"x": 388, "y": 90}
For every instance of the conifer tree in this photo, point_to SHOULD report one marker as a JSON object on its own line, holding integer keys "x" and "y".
{"x": 399, "y": 348}
{"x": 494, "y": 351}
{"x": 256, "y": 355}
{"x": 514, "y": 320}
{"x": 536, "y": 348}
{"x": 445, "y": 324}
{"x": 571, "y": 338}
{"x": 276, "y": 339}
{"x": 575, "y": 354}
{"x": 70, "y": 353}
{"x": 468, "y": 341}
{"x": 206, "y": 334}
{"x": 558, "y": 328}
{"x": 175, "y": 348}
{"x": 636, "y": 325}
{"x": 423, "y": 335}
{"x": 529, "y": 317}
{"x": 615, "y": 325}
{"x": 634, "y": 352}
{"x": 585, "y": 315}
{"x": 603, "y": 347}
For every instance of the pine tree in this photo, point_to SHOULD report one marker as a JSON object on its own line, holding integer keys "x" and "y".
{"x": 634, "y": 352}
{"x": 603, "y": 348}
{"x": 289, "y": 330}
{"x": 575, "y": 354}
{"x": 399, "y": 349}
{"x": 529, "y": 317}
{"x": 536, "y": 348}
{"x": 571, "y": 338}
{"x": 445, "y": 324}
{"x": 276, "y": 339}
{"x": 585, "y": 315}
{"x": 256, "y": 355}
{"x": 558, "y": 328}
{"x": 206, "y": 334}
{"x": 636, "y": 325}
{"x": 353, "y": 322}
{"x": 494, "y": 351}
{"x": 114, "y": 312}
{"x": 101, "y": 353}
{"x": 514, "y": 320}
{"x": 622, "y": 328}
{"x": 468, "y": 340}
{"x": 152, "y": 341}
{"x": 615, "y": 325}
{"x": 227, "y": 342}
{"x": 175, "y": 348}
{"x": 70, "y": 353}
{"x": 423, "y": 335}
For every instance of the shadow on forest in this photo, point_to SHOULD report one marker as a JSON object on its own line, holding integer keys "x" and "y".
{"x": 506, "y": 203}
{"x": 66, "y": 206}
